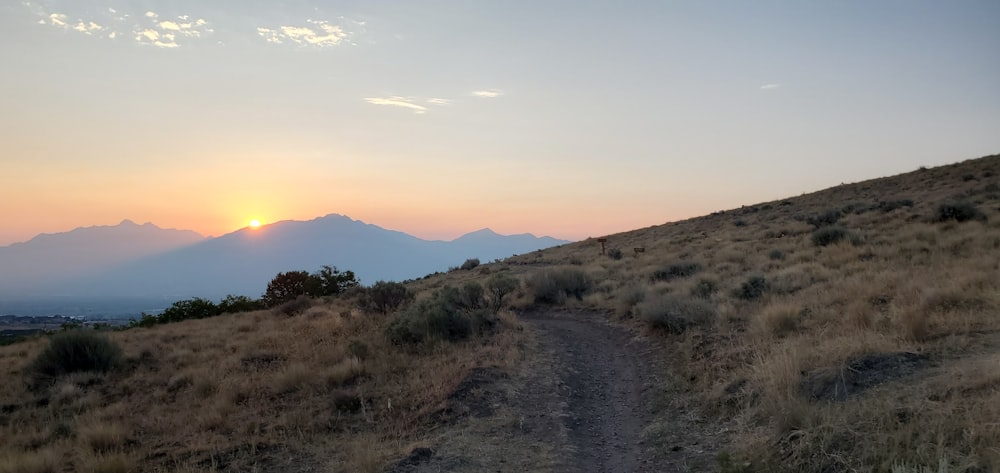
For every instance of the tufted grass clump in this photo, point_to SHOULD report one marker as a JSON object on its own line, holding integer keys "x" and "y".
{"x": 72, "y": 352}
{"x": 554, "y": 286}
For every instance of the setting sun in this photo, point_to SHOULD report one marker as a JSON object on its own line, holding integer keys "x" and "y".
{"x": 254, "y": 223}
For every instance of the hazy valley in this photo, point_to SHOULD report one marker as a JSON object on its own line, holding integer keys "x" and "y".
{"x": 122, "y": 270}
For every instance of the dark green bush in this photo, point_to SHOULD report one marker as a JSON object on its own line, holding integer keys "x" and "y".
{"x": 676, "y": 314}
{"x": 890, "y": 205}
{"x": 358, "y": 348}
{"x": 234, "y": 304}
{"x": 74, "y": 351}
{"x": 829, "y": 235}
{"x": 615, "y": 253}
{"x": 959, "y": 211}
{"x": 553, "y": 286}
{"x": 753, "y": 288}
{"x": 776, "y": 254}
{"x": 196, "y": 308}
{"x": 824, "y": 219}
{"x": 470, "y": 263}
{"x": 704, "y": 288}
{"x": 677, "y": 270}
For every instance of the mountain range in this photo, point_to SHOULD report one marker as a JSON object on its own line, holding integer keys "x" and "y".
{"x": 131, "y": 261}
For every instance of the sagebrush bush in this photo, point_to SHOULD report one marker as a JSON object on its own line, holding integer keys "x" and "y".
{"x": 825, "y": 236}
{"x": 776, "y": 254}
{"x": 704, "y": 288}
{"x": 75, "y": 351}
{"x": 498, "y": 286}
{"x": 753, "y": 288}
{"x": 824, "y": 219}
{"x": 451, "y": 314}
{"x": 384, "y": 296}
{"x": 677, "y": 270}
{"x": 295, "y": 306}
{"x": 959, "y": 211}
{"x": 553, "y": 286}
{"x": 470, "y": 263}
{"x": 676, "y": 314}
{"x": 615, "y": 253}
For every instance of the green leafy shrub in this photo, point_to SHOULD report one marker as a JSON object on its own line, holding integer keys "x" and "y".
{"x": 470, "y": 263}
{"x": 234, "y": 304}
{"x": 385, "y": 296}
{"x": 959, "y": 211}
{"x": 196, "y": 308}
{"x": 74, "y": 351}
{"x": 677, "y": 270}
{"x": 553, "y": 286}
{"x": 753, "y": 288}
{"x": 676, "y": 314}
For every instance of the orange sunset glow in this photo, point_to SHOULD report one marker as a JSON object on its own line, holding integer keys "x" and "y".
{"x": 379, "y": 122}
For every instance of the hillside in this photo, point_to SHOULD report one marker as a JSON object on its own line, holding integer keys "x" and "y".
{"x": 854, "y": 328}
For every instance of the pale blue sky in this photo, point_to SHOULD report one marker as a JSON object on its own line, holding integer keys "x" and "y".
{"x": 571, "y": 119}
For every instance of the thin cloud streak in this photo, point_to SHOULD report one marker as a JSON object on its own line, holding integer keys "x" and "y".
{"x": 397, "y": 102}
{"x": 769, "y": 86}
{"x": 488, "y": 93}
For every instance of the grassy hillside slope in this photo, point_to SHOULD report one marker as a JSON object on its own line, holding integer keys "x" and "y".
{"x": 853, "y": 328}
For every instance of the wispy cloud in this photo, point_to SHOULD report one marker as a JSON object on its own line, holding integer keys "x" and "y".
{"x": 488, "y": 93}
{"x": 318, "y": 33}
{"x": 396, "y": 101}
{"x": 437, "y": 101}
{"x": 145, "y": 28}
{"x": 769, "y": 86}
{"x": 167, "y": 33}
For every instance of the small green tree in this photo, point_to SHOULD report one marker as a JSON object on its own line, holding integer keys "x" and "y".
{"x": 289, "y": 285}
{"x": 333, "y": 281}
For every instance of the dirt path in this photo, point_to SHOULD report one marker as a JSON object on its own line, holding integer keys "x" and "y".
{"x": 590, "y": 399}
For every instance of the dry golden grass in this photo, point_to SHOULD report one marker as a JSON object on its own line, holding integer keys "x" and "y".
{"x": 907, "y": 283}
{"x": 247, "y": 392}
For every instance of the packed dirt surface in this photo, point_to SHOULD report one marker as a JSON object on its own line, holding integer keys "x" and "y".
{"x": 591, "y": 398}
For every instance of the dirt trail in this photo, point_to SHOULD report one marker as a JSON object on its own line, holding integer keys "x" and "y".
{"x": 589, "y": 400}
